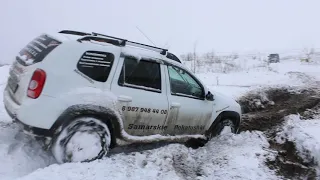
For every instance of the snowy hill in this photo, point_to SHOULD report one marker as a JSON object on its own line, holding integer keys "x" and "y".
{"x": 274, "y": 137}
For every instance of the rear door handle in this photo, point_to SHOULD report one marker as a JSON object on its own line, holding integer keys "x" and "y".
{"x": 175, "y": 105}
{"x": 125, "y": 98}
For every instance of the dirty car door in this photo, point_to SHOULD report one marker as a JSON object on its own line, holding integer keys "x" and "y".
{"x": 142, "y": 95}
{"x": 189, "y": 111}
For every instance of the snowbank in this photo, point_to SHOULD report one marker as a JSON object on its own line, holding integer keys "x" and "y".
{"x": 228, "y": 157}
{"x": 306, "y": 136}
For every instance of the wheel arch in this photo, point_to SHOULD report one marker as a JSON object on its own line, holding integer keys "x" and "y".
{"x": 106, "y": 115}
{"x": 232, "y": 115}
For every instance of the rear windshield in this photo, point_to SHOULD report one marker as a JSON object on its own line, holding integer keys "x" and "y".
{"x": 37, "y": 50}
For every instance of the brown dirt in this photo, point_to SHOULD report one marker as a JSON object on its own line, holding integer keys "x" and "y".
{"x": 265, "y": 111}
{"x": 277, "y": 104}
{"x": 289, "y": 164}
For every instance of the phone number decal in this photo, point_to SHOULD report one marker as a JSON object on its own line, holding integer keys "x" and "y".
{"x": 143, "y": 110}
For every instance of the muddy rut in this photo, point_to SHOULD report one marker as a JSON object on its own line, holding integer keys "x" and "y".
{"x": 264, "y": 110}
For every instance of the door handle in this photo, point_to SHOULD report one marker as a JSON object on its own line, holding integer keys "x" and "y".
{"x": 124, "y": 98}
{"x": 175, "y": 105}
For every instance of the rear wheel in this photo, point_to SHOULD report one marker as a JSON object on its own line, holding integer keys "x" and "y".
{"x": 83, "y": 140}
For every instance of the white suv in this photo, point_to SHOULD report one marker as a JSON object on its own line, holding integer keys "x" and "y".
{"x": 87, "y": 92}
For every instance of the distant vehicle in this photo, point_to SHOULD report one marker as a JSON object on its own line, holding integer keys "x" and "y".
{"x": 85, "y": 93}
{"x": 273, "y": 58}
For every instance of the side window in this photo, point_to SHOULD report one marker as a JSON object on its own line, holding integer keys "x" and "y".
{"x": 96, "y": 65}
{"x": 141, "y": 74}
{"x": 182, "y": 83}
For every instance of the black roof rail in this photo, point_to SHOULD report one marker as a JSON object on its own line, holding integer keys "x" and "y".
{"x": 173, "y": 57}
{"x": 124, "y": 42}
{"x": 74, "y": 32}
{"x": 100, "y": 39}
{"x": 162, "y": 51}
{"x": 98, "y": 34}
{"x": 118, "y": 42}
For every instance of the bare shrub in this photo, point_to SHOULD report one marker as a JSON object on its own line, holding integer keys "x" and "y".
{"x": 212, "y": 62}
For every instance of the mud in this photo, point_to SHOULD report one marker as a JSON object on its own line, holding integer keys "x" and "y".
{"x": 289, "y": 164}
{"x": 265, "y": 111}
{"x": 313, "y": 113}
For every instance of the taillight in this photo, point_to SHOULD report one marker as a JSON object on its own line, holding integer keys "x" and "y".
{"x": 36, "y": 83}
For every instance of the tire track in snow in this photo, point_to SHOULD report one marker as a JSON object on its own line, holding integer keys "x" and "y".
{"x": 19, "y": 154}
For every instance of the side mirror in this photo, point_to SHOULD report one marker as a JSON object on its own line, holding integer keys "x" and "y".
{"x": 209, "y": 96}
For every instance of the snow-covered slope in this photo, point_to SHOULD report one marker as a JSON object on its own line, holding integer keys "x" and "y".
{"x": 229, "y": 156}
{"x": 305, "y": 134}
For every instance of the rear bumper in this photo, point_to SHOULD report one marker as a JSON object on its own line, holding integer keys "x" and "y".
{"x": 34, "y": 131}
{"x": 12, "y": 108}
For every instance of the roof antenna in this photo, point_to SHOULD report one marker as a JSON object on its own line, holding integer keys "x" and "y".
{"x": 146, "y": 36}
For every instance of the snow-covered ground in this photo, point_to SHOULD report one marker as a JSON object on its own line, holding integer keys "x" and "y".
{"x": 305, "y": 134}
{"x": 257, "y": 75}
{"x": 229, "y": 156}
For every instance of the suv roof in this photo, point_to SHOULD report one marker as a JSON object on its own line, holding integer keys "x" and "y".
{"x": 130, "y": 47}
{"x": 273, "y": 55}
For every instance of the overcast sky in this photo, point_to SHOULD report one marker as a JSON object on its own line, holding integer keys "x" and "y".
{"x": 220, "y": 25}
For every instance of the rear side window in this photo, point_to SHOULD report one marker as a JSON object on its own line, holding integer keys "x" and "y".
{"x": 96, "y": 65}
{"x": 37, "y": 50}
{"x": 141, "y": 74}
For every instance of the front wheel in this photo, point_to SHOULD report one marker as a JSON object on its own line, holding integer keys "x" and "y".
{"x": 83, "y": 140}
{"x": 222, "y": 127}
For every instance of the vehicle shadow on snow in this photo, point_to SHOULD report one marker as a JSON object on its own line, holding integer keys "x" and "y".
{"x": 264, "y": 110}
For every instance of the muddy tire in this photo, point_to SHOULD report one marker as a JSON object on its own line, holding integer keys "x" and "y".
{"x": 83, "y": 140}
{"x": 217, "y": 129}
{"x": 222, "y": 127}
